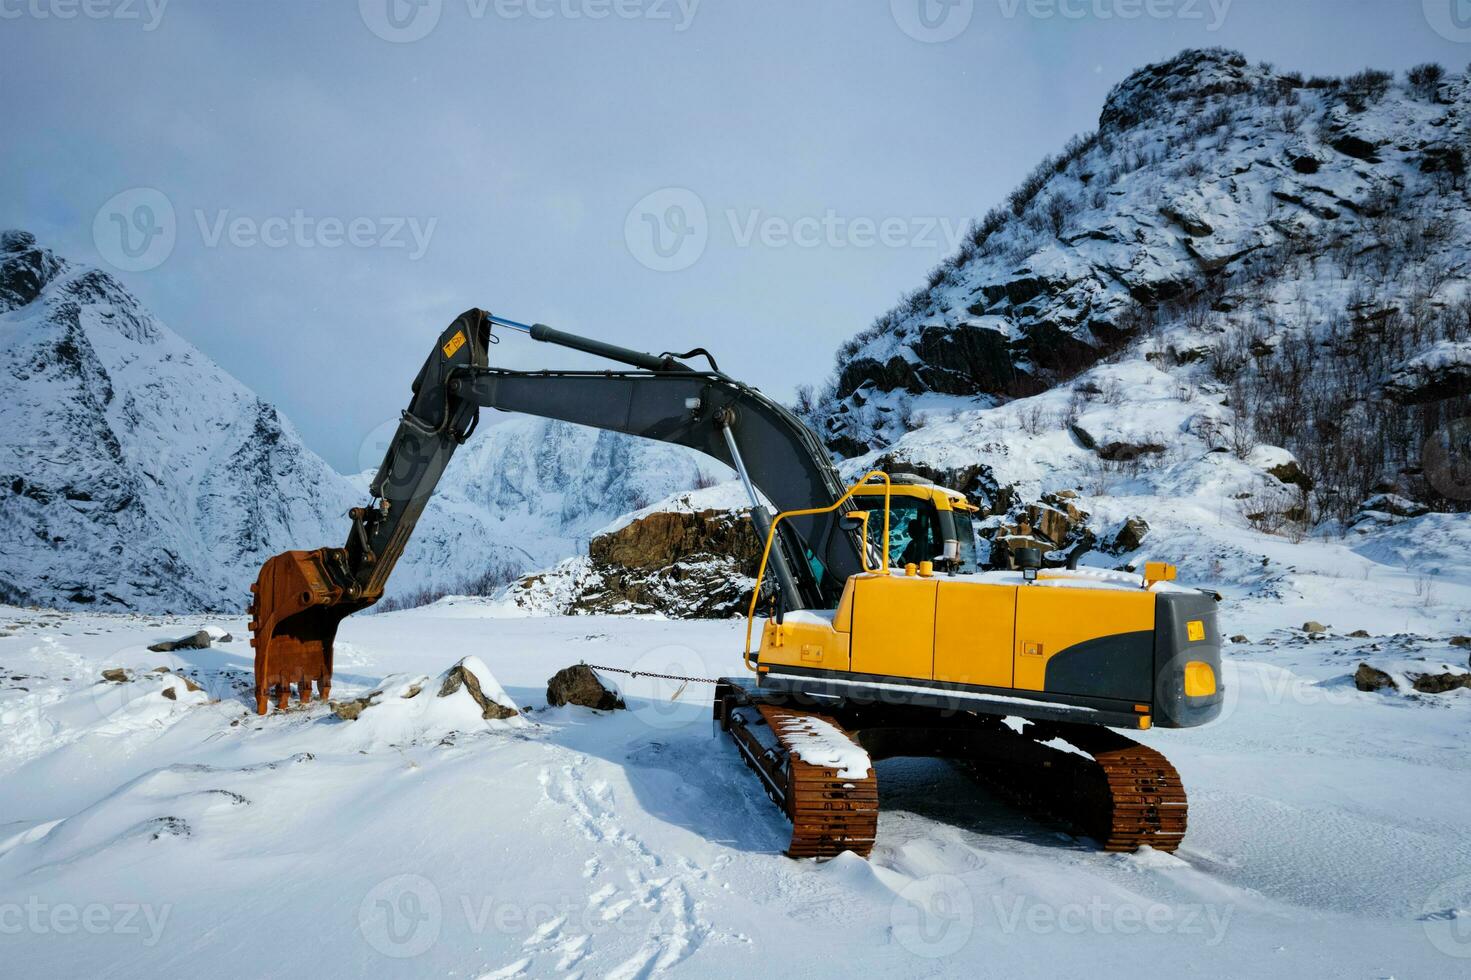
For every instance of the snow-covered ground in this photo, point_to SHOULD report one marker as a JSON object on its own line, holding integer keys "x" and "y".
{"x": 144, "y": 836}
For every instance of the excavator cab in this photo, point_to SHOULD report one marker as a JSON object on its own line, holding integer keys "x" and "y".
{"x": 926, "y": 523}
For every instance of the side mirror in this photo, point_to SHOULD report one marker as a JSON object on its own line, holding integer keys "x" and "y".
{"x": 856, "y": 522}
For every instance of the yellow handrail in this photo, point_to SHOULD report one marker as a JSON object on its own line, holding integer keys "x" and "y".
{"x": 771, "y": 536}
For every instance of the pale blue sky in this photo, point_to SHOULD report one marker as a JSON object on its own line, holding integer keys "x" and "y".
{"x": 527, "y": 136}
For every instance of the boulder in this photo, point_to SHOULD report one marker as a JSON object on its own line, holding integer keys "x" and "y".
{"x": 1461, "y": 641}
{"x": 1313, "y": 626}
{"x": 194, "y": 641}
{"x": 581, "y": 685}
{"x": 462, "y": 676}
{"x": 117, "y": 675}
{"x": 1360, "y": 634}
{"x": 1238, "y": 638}
{"x": 1368, "y": 678}
{"x": 1440, "y": 683}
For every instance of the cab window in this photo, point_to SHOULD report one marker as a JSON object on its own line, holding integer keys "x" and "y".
{"x": 914, "y": 535}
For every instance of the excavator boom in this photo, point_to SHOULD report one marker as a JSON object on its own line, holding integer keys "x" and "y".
{"x": 300, "y": 597}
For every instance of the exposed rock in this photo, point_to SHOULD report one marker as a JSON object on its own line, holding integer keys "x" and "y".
{"x": 678, "y": 563}
{"x": 117, "y": 675}
{"x": 169, "y": 693}
{"x": 1442, "y": 371}
{"x": 194, "y": 641}
{"x": 1313, "y": 626}
{"x": 1122, "y": 452}
{"x": 662, "y": 538}
{"x": 1393, "y": 503}
{"x": 1130, "y": 535}
{"x": 189, "y": 685}
{"x": 1356, "y": 147}
{"x": 349, "y": 710}
{"x": 580, "y": 685}
{"x": 1440, "y": 683}
{"x": 1290, "y": 473}
{"x": 1461, "y": 641}
{"x": 1368, "y": 678}
{"x": 1360, "y": 634}
{"x": 1238, "y": 638}
{"x": 460, "y": 676}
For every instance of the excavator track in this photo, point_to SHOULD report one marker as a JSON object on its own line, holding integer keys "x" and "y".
{"x": 831, "y": 809}
{"x": 1104, "y": 785}
{"x": 1122, "y": 794}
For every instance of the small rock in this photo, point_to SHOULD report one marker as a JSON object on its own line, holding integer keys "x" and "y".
{"x": 1461, "y": 641}
{"x": 1368, "y": 678}
{"x": 1440, "y": 683}
{"x": 1238, "y": 638}
{"x": 169, "y": 693}
{"x": 1360, "y": 634}
{"x": 459, "y": 676}
{"x": 194, "y": 641}
{"x": 580, "y": 685}
{"x": 117, "y": 675}
{"x": 1313, "y": 626}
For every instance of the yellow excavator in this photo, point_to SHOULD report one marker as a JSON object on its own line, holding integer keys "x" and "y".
{"x": 881, "y": 635}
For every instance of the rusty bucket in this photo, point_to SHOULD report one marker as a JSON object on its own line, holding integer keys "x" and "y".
{"x": 294, "y": 615}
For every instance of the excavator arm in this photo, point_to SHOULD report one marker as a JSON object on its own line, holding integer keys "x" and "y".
{"x": 300, "y": 597}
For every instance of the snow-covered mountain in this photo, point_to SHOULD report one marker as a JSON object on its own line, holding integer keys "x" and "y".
{"x": 1255, "y": 260}
{"x": 135, "y": 473}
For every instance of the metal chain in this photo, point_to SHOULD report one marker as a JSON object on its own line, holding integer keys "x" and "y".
{"x": 650, "y": 673}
